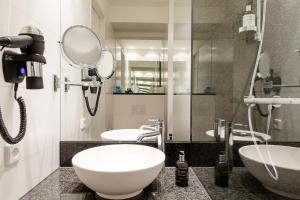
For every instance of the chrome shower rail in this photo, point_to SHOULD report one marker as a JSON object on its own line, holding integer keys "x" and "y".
{"x": 271, "y": 101}
{"x": 285, "y": 85}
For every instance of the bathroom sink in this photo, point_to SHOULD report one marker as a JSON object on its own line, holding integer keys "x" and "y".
{"x": 244, "y": 135}
{"x": 125, "y": 135}
{"x": 287, "y": 162}
{"x": 118, "y": 171}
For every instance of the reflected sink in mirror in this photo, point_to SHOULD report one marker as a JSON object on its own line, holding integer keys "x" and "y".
{"x": 118, "y": 171}
{"x": 125, "y": 135}
{"x": 242, "y": 135}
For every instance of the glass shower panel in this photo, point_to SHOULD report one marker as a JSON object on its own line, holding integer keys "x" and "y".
{"x": 214, "y": 39}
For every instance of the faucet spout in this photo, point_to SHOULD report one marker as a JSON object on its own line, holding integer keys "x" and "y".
{"x": 158, "y": 130}
{"x": 145, "y": 135}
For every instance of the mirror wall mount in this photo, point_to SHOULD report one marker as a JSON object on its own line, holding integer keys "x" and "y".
{"x": 56, "y": 82}
{"x": 69, "y": 83}
{"x": 82, "y": 48}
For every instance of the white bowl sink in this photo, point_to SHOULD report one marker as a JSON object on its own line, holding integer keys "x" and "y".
{"x": 118, "y": 171}
{"x": 287, "y": 162}
{"x": 244, "y": 135}
{"x": 125, "y": 135}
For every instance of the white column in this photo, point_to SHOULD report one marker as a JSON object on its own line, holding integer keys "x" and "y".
{"x": 170, "y": 67}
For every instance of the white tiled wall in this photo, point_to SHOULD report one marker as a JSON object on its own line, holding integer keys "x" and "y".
{"x": 40, "y": 147}
{"x": 131, "y": 111}
{"x": 74, "y": 12}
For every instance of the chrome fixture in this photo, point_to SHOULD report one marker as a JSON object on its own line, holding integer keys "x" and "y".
{"x": 56, "y": 82}
{"x": 159, "y": 131}
{"x": 93, "y": 83}
{"x": 229, "y": 144}
{"x": 220, "y": 126}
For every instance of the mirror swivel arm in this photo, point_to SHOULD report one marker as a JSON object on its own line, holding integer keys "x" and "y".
{"x": 68, "y": 84}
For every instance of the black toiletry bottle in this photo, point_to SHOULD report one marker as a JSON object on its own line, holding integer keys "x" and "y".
{"x": 221, "y": 171}
{"x": 182, "y": 171}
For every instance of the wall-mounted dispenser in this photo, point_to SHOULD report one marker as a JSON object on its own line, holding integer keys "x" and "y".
{"x": 17, "y": 66}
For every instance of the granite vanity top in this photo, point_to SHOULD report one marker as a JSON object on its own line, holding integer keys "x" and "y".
{"x": 63, "y": 184}
{"x": 242, "y": 186}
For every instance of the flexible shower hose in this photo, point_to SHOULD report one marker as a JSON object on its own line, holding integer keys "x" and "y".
{"x": 273, "y": 174}
{"x": 23, "y": 121}
{"x": 92, "y": 112}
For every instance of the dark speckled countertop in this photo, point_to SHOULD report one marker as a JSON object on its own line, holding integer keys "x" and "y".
{"x": 63, "y": 184}
{"x": 242, "y": 186}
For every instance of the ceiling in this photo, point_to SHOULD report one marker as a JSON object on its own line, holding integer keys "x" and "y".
{"x": 138, "y": 2}
{"x": 142, "y": 44}
{"x": 139, "y": 27}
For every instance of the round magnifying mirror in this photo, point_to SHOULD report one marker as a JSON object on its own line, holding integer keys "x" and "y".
{"x": 106, "y": 68}
{"x": 264, "y": 65}
{"x": 81, "y": 47}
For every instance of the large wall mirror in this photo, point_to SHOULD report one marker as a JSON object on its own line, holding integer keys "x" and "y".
{"x": 180, "y": 61}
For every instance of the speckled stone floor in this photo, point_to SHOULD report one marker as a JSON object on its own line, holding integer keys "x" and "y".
{"x": 63, "y": 184}
{"x": 242, "y": 186}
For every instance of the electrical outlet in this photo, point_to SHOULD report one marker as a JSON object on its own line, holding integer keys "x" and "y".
{"x": 82, "y": 123}
{"x": 278, "y": 124}
{"x": 11, "y": 154}
{"x": 138, "y": 109}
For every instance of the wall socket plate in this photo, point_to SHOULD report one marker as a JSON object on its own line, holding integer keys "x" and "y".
{"x": 278, "y": 124}
{"x": 11, "y": 154}
{"x": 138, "y": 109}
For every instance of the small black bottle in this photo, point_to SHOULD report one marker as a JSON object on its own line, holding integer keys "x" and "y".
{"x": 182, "y": 171}
{"x": 221, "y": 171}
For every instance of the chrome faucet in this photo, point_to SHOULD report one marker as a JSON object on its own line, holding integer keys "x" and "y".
{"x": 219, "y": 126}
{"x": 159, "y": 131}
{"x": 229, "y": 144}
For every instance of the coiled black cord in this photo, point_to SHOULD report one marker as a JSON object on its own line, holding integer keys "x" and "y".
{"x": 92, "y": 112}
{"x": 23, "y": 121}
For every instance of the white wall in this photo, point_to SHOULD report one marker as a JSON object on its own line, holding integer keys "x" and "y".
{"x": 74, "y": 12}
{"x": 132, "y": 111}
{"x": 40, "y": 147}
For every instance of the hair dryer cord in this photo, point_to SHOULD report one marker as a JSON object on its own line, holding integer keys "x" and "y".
{"x": 92, "y": 112}
{"x": 23, "y": 122}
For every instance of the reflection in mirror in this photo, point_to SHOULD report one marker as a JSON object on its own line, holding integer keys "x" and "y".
{"x": 106, "y": 68}
{"x": 81, "y": 47}
{"x": 141, "y": 66}
{"x": 145, "y": 84}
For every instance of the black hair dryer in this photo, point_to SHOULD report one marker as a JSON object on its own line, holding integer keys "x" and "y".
{"x": 17, "y": 66}
{"x": 27, "y": 63}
